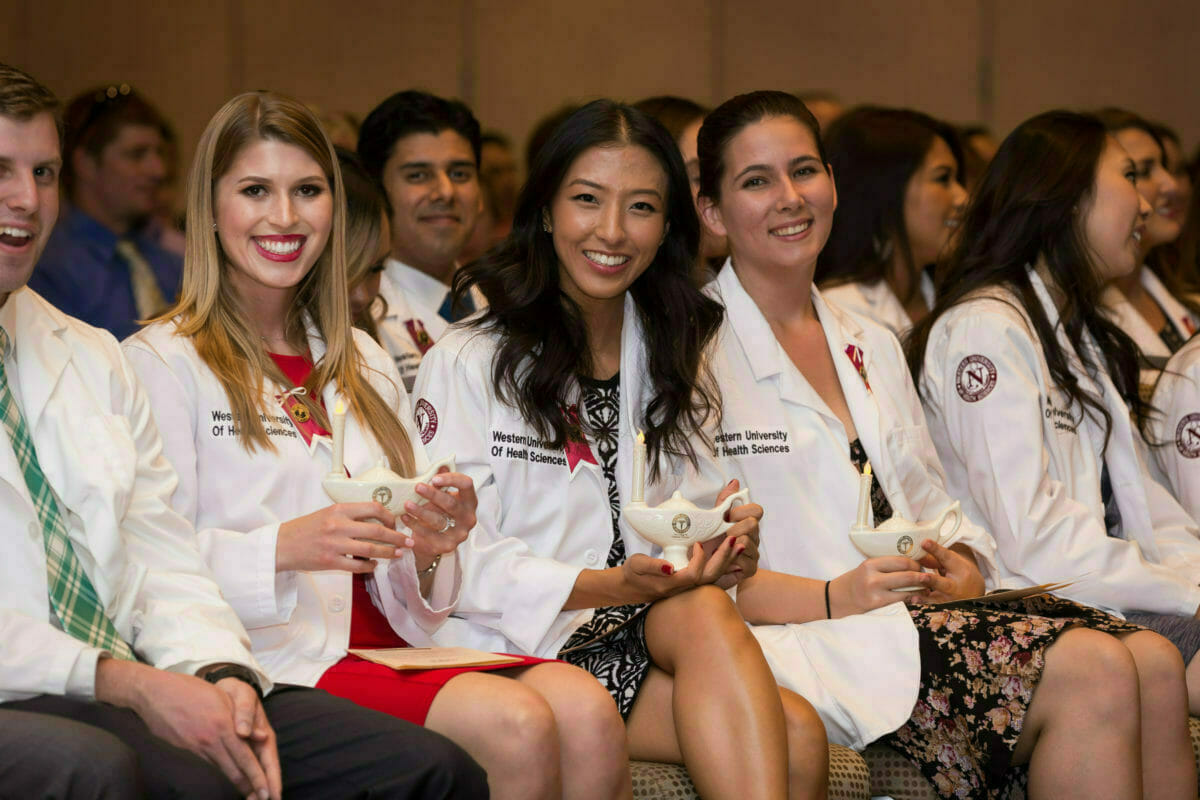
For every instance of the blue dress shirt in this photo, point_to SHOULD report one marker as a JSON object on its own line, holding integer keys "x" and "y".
{"x": 81, "y": 272}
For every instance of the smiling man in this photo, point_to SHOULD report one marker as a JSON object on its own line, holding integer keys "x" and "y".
{"x": 424, "y": 151}
{"x": 123, "y": 672}
{"x": 103, "y": 263}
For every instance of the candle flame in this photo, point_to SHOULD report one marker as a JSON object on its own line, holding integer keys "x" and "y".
{"x": 867, "y": 469}
{"x": 641, "y": 438}
{"x": 340, "y": 408}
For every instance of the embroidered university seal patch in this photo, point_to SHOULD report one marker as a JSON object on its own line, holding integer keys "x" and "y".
{"x": 426, "y": 419}
{"x": 1187, "y": 436}
{"x": 975, "y": 378}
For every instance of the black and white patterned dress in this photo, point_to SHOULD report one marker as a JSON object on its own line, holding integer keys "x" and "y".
{"x": 612, "y": 645}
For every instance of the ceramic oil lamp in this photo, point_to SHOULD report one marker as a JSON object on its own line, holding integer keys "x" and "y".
{"x": 675, "y": 524}
{"x": 897, "y": 536}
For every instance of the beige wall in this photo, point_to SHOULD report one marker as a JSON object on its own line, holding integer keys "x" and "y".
{"x": 515, "y": 61}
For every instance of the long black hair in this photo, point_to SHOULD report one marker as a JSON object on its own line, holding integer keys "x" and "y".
{"x": 543, "y": 338}
{"x": 874, "y": 152}
{"x": 1026, "y": 209}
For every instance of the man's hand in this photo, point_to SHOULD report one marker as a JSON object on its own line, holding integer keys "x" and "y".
{"x": 225, "y": 724}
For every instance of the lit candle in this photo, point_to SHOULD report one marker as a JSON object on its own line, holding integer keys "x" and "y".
{"x": 338, "y": 467}
{"x": 864, "y": 498}
{"x": 639, "y": 469}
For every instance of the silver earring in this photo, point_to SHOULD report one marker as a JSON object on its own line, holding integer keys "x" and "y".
{"x": 214, "y": 226}
{"x": 546, "y": 226}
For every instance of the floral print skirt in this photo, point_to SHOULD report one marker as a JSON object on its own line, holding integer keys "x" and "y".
{"x": 979, "y": 666}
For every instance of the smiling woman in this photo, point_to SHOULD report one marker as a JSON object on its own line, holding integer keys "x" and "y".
{"x": 1144, "y": 301}
{"x": 1031, "y": 395}
{"x": 242, "y": 375}
{"x": 593, "y": 332}
{"x": 607, "y": 222}
{"x": 951, "y": 686}
{"x": 274, "y": 213}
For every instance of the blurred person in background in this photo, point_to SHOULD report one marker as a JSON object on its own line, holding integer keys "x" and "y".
{"x": 1146, "y": 303}
{"x": 499, "y": 181}
{"x": 424, "y": 150}
{"x": 900, "y": 197}
{"x": 105, "y": 263}
{"x": 682, "y": 119}
{"x": 825, "y": 105}
{"x": 978, "y": 146}
{"x": 368, "y": 240}
{"x": 1178, "y": 259}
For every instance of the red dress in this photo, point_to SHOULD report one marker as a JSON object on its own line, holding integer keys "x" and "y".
{"x": 407, "y": 694}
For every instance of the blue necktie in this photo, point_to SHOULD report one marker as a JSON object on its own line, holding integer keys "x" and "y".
{"x": 465, "y": 308}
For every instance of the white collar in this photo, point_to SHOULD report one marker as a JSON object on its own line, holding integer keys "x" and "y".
{"x": 761, "y": 349}
{"x": 419, "y": 288}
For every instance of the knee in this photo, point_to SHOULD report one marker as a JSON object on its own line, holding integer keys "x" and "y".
{"x": 705, "y": 611}
{"x": 592, "y": 723}
{"x": 1097, "y": 666}
{"x": 101, "y": 766}
{"x": 525, "y": 727}
{"x": 1159, "y": 662}
{"x": 451, "y": 770}
{"x": 808, "y": 746}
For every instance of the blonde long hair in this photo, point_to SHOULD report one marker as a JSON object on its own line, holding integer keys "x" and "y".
{"x": 209, "y": 311}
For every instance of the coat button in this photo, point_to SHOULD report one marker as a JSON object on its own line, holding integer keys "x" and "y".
{"x": 337, "y": 603}
{"x": 592, "y": 557}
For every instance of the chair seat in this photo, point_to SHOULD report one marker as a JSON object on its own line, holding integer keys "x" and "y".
{"x": 848, "y": 778}
{"x": 890, "y": 774}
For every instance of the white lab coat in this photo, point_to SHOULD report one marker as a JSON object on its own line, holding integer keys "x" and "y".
{"x": 1028, "y": 466}
{"x": 1175, "y": 430}
{"x": 413, "y": 299}
{"x": 876, "y": 301}
{"x": 299, "y": 622}
{"x": 1127, "y": 318}
{"x": 99, "y": 448}
{"x": 540, "y": 523}
{"x": 781, "y": 440}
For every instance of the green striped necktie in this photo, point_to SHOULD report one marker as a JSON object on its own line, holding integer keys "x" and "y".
{"x": 71, "y": 592}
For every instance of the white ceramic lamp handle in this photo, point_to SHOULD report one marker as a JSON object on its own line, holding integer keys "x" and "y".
{"x": 740, "y": 497}
{"x": 955, "y": 512}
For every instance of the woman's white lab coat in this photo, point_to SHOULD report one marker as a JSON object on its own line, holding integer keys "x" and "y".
{"x": 543, "y": 516}
{"x": 1028, "y": 465}
{"x": 781, "y": 440}
{"x": 299, "y": 622}
{"x": 876, "y": 301}
{"x": 1130, "y": 320}
{"x": 1175, "y": 430}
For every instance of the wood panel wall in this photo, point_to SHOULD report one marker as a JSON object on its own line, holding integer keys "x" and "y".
{"x": 964, "y": 60}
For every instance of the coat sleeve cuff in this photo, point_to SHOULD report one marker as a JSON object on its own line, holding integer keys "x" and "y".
{"x": 81, "y": 680}
{"x": 397, "y": 590}
{"x": 244, "y": 566}
{"x": 536, "y": 624}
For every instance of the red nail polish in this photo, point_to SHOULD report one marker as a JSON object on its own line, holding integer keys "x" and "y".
{"x": 732, "y": 541}
{"x": 740, "y": 550}
{"x": 667, "y": 569}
